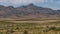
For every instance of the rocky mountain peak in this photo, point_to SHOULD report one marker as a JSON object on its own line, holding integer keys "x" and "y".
{"x": 31, "y": 4}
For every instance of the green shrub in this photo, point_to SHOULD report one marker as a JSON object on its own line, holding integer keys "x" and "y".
{"x": 25, "y": 32}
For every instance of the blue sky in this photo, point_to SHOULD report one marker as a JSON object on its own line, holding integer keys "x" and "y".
{"x": 54, "y": 4}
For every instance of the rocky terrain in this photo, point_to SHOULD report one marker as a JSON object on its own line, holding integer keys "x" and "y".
{"x": 28, "y": 11}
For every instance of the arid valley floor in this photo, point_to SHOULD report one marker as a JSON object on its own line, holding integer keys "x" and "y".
{"x": 30, "y": 27}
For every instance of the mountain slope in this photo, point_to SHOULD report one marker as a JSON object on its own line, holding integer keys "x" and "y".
{"x": 29, "y": 11}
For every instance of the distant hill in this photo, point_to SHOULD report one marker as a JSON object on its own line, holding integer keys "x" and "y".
{"x": 29, "y": 11}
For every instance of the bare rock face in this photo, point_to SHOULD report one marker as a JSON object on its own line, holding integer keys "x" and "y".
{"x": 29, "y": 10}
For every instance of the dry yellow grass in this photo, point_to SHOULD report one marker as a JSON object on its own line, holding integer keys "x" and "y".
{"x": 33, "y": 27}
{"x": 43, "y": 21}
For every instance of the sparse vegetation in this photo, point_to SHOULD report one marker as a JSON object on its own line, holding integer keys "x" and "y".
{"x": 25, "y": 32}
{"x": 29, "y": 28}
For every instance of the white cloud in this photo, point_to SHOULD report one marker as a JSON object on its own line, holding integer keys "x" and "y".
{"x": 20, "y": 1}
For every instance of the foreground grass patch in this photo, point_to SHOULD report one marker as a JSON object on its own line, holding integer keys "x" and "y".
{"x": 31, "y": 28}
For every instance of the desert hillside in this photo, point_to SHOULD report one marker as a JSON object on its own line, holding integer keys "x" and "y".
{"x": 28, "y": 12}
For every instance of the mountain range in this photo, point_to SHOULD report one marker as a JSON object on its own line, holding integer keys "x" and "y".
{"x": 30, "y": 11}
